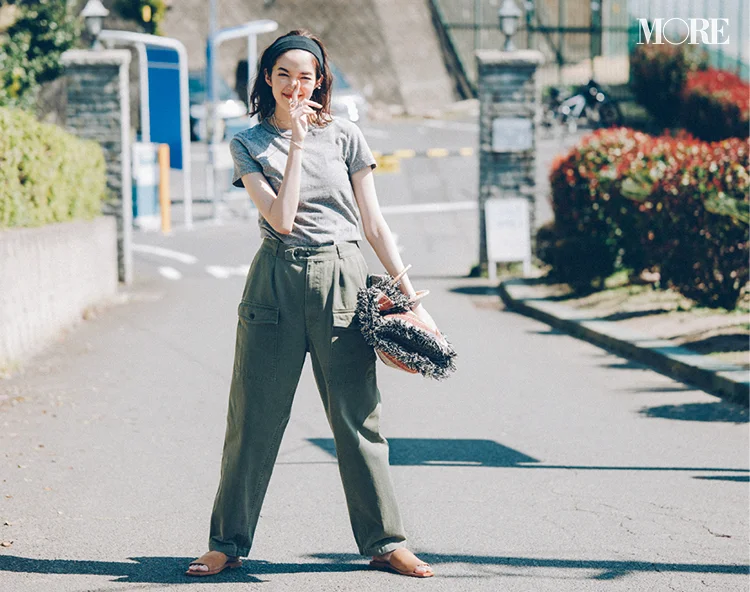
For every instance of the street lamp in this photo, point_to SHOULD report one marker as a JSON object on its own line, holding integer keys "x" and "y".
{"x": 509, "y": 15}
{"x": 93, "y": 14}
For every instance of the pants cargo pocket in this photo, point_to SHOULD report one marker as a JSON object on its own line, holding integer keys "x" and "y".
{"x": 257, "y": 340}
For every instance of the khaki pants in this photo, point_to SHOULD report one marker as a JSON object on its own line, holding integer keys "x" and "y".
{"x": 298, "y": 300}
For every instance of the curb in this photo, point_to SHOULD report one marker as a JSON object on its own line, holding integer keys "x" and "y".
{"x": 723, "y": 380}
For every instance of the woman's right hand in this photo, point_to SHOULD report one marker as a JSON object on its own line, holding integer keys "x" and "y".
{"x": 299, "y": 110}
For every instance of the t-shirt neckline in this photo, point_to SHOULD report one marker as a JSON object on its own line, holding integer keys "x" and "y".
{"x": 266, "y": 124}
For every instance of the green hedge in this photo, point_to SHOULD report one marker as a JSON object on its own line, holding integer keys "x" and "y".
{"x": 679, "y": 90}
{"x": 658, "y": 74}
{"x": 46, "y": 174}
{"x": 626, "y": 200}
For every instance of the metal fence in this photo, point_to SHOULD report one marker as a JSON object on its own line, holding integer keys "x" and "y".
{"x": 581, "y": 39}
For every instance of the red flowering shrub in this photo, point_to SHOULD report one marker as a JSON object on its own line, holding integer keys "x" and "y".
{"x": 626, "y": 200}
{"x": 715, "y": 105}
{"x": 703, "y": 247}
{"x": 582, "y": 249}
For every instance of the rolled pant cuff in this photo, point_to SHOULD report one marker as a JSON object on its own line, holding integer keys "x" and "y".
{"x": 228, "y": 549}
{"x": 383, "y": 549}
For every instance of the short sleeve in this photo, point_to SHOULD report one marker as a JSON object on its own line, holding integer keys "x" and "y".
{"x": 358, "y": 154}
{"x": 243, "y": 162}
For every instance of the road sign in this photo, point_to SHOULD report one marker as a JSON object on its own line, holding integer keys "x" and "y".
{"x": 511, "y": 133}
{"x": 508, "y": 234}
{"x": 164, "y": 101}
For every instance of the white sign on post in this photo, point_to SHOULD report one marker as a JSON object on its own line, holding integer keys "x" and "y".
{"x": 506, "y": 221}
{"x": 510, "y": 134}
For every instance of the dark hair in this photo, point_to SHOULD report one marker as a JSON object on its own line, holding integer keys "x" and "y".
{"x": 261, "y": 97}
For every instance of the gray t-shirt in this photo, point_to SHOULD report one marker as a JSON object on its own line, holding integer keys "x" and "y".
{"x": 327, "y": 211}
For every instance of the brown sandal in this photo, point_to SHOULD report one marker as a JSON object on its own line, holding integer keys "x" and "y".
{"x": 215, "y": 561}
{"x": 400, "y": 562}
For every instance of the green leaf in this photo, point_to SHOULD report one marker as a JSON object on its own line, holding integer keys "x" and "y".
{"x": 635, "y": 190}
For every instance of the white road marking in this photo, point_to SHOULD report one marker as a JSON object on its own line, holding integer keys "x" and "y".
{"x": 430, "y": 207}
{"x": 221, "y": 272}
{"x": 371, "y": 132}
{"x": 452, "y": 125}
{"x": 170, "y": 273}
{"x": 168, "y": 253}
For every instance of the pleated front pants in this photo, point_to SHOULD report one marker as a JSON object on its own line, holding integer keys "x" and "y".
{"x": 298, "y": 300}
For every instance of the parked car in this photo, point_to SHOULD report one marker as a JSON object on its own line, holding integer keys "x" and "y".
{"x": 229, "y": 106}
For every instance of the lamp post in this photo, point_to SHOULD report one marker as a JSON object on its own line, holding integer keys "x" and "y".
{"x": 509, "y": 14}
{"x": 93, "y": 15}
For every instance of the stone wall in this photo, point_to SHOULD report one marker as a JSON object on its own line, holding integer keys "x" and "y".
{"x": 98, "y": 108}
{"x": 48, "y": 276}
{"x": 506, "y": 88}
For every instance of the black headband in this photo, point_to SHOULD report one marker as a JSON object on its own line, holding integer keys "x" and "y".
{"x": 283, "y": 44}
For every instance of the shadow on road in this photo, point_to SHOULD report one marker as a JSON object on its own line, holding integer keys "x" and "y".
{"x": 444, "y": 452}
{"x": 475, "y": 290}
{"x": 737, "y": 478}
{"x": 170, "y": 570}
{"x": 608, "y": 570}
{"x": 714, "y": 411}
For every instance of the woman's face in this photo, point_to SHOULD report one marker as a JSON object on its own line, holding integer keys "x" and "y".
{"x": 294, "y": 71}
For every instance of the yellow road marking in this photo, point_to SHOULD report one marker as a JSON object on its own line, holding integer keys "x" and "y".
{"x": 388, "y": 164}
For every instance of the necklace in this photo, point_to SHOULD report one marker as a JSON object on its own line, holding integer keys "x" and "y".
{"x": 272, "y": 120}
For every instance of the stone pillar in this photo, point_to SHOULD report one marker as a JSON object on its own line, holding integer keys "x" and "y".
{"x": 508, "y": 100}
{"x": 99, "y": 109}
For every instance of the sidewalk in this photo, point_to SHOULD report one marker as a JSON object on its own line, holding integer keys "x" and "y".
{"x": 724, "y": 380}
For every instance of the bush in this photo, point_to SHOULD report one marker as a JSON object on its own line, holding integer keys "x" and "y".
{"x": 149, "y": 14}
{"x": 676, "y": 86}
{"x": 715, "y": 105}
{"x": 704, "y": 251}
{"x": 30, "y": 49}
{"x": 570, "y": 258}
{"x": 658, "y": 74}
{"x": 46, "y": 174}
{"x": 593, "y": 219}
{"x": 626, "y": 200}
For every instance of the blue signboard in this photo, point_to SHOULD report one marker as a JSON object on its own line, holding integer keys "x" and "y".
{"x": 164, "y": 101}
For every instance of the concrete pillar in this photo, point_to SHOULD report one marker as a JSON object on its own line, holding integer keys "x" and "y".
{"x": 508, "y": 99}
{"x": 99, "y": 109}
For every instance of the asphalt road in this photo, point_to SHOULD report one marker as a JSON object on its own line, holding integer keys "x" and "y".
{"x": 543, "y": 464}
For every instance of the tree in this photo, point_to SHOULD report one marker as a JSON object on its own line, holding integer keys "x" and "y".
{"x": 36, "y": 33}
{"x": 147, "y": 13}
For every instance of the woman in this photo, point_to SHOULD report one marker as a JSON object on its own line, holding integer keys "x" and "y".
{"x": 304, "y": 170}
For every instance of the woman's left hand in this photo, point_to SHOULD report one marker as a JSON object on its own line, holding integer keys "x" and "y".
{"x": 425, "y": 317}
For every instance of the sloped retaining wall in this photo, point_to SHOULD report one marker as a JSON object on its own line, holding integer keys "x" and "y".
{"x": 48, "y": 276}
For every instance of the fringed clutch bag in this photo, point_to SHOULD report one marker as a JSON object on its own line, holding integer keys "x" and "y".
{"x": 400, "y": 338}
